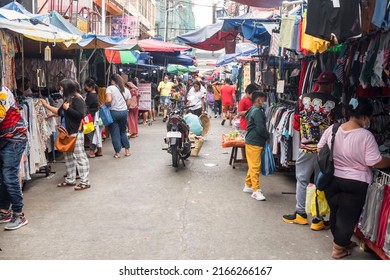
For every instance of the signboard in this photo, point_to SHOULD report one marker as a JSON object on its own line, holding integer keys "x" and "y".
{"x": 82, "y": 24}
{"x": 126, "y": 26}
{"x": 145, "y": 102}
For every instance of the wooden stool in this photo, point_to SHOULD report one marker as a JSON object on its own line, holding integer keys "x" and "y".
{"x": 233, "y": 156}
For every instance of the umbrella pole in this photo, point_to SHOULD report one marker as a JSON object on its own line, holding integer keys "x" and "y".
{"x": 89, "y": 58}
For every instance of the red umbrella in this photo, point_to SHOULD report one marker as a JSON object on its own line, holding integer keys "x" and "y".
{"x": 261, "y": 3}
{"x": 210, "y": 37}
{"x": 152, "y": 45}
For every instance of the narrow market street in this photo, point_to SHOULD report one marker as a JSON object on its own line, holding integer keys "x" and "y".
{"x": 142, "y": 208}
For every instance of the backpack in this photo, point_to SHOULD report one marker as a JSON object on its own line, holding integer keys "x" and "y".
{"x": 210, "y": 98}
{"x": 325, "y": 162}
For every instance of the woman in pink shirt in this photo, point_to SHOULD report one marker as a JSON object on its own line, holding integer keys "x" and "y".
{"x": 355, "y": 153}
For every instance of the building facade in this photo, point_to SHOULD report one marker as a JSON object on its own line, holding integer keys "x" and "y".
{"x": 133, "y": 18}
{"x": 180, "y": 18}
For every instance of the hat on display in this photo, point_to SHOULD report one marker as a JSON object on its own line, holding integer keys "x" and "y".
{"x": 326, "y": 78}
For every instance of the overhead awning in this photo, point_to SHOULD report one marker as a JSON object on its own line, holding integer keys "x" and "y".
{"x": 163, "y": 59}
{"x": 121, "y": 57}
{"x": 210, "y": 37}
{"x": 59, "y": 21}
{"x": 261, "y": 3}
{"x": 153, "y": 45}
{"x": 39, "y": 32}
{"x": 12, "y": 17}
{"x": 242, "y": 50}
{"x": 180, "y": 69}
{"x": 15, "y": 6}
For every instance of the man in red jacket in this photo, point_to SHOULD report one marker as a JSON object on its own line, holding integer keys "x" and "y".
{"x": 314, "y": 113}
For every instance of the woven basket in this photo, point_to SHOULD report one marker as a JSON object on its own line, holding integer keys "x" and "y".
{"x": 204, "y": 119}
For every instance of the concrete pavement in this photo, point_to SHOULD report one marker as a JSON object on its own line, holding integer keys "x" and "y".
{"x": 142, "y": 208}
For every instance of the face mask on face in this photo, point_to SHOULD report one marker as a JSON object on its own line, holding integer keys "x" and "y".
{"x": 61, "y": 92}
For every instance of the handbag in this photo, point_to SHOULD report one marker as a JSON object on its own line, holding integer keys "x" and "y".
{"x": 105, "y": 115}
{"x": 65, "y": 143}
{"x": 267, "y": 161}
{"x": 88, "y": 125}
{"x": 132, "y": 102}
{"x": 325, "y": 162}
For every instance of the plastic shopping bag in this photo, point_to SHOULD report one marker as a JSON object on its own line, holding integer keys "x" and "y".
{"x": 310, "y": 191}
{"x": 319, "y": 204}
{"x": 88, "y": 125}
{"x": 105, "y": 115}
{"x": 267, "y": 161}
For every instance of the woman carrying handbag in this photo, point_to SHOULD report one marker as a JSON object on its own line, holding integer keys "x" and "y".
{"x": 117, "y": 99}
{"x": 73, "y": 111}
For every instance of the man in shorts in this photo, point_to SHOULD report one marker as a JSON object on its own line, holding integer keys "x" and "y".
{"x": 228, "y": 94}
{"x": 164, "y": 88}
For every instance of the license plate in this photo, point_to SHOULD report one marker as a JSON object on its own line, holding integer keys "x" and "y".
{"x": 173, "y": 134}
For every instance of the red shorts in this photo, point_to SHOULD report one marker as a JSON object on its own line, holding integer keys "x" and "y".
{"x": 227, "y": 108}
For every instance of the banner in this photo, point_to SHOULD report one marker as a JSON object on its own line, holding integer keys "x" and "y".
{"x": 125, "y": 26}
{"x": 145, "y": 102}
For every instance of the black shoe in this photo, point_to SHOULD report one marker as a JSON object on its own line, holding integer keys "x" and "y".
{"x": 223, "y": 122}
{"x": 165, "y": 119}
{"x": 296, "y": 218}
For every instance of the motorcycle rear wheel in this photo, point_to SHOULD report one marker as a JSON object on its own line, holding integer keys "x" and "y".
{"x": 175, "y": 156}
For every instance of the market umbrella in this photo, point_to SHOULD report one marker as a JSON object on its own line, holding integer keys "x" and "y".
{"x": 152, "y": 45}
{"x": 180, "y": 69}
{"x": 121, "y": 57}
{"x": 242, "y": 49}
{"x": 256, "y": 27}
{"x": 261, "y": 3}
{"x": 165, "y": 58}
{"x": 210, "y": 37}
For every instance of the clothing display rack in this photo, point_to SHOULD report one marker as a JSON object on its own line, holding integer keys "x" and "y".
{"x": 374, "y": 228}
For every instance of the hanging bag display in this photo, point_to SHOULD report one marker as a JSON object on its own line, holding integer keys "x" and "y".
{"x": 64, "y": 142}
{"x": 267, "y": 161}
{"x": 88, "y": 125}
{"x": 325, "y": 162}
{"x": 105, "y": 115}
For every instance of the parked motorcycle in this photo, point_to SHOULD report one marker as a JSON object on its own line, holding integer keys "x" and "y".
{"x": 179, "y": 145}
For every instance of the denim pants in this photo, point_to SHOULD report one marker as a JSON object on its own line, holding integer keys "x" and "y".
{"x": 305, "y": 165}
{"x": 10, "y": 189}
{"x": 217, "y": 107}
{"x": 118, "y": 130}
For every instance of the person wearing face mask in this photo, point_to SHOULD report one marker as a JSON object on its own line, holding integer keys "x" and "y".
{"x": 255, "y": 139}
{"x": 314, "y": 113}
{"x": 355, "y": 153}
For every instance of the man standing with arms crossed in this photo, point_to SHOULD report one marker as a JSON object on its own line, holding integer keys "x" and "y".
{"x": 314, "y": 113}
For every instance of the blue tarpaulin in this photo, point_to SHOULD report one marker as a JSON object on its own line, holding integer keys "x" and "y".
{"x": 243, "y": 49}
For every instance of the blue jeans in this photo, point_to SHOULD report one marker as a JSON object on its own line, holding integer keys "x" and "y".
{"x": 10, "y": 190}
{"x": 118, "y": 130}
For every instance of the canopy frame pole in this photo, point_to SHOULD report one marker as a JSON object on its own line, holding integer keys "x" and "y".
{"x": 89, "y": 58}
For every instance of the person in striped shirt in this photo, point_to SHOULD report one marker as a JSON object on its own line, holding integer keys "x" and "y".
{"x": 13, "y": 139}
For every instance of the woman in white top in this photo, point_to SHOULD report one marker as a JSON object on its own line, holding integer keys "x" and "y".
{"x": 117, "y": 98}
{"x": 196, "y": 99}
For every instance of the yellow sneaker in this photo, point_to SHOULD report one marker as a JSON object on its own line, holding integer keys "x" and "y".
{"x": 296, "y": 218}
{"x": 317, "y": 224}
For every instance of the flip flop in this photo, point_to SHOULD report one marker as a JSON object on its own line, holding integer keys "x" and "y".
{"x": 91, "y": 156}
{"x": 65, "y": 184}
{"x": 81, "y": 187}
{"x": 98, "y": 155}
{"x": 117, "y": 156}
